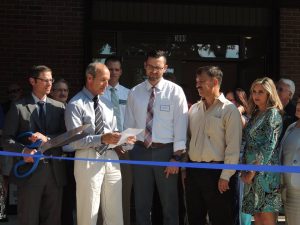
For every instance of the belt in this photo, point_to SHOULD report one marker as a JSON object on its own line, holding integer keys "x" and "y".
{"x": 154, "y": 144}
{"x": 216, "y": 162}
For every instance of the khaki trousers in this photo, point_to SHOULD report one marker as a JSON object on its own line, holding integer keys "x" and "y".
{"x": 98, "y": 182}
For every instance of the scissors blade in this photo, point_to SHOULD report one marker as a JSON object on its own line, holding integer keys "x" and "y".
{"x": 65, "y": 138}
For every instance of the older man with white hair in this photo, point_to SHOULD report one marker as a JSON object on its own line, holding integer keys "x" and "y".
{"x": 286, "y": 91}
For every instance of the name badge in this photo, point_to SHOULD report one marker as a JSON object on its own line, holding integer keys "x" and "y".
{"x": 122, "y": 102}
{"x": 165, "y": 108}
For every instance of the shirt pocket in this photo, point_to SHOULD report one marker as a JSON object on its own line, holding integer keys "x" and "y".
{"x": 165, "y": 111}
{"x": 214, "y": 127}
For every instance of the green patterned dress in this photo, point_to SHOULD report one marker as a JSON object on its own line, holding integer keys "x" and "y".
{"x": 261, "y": 137}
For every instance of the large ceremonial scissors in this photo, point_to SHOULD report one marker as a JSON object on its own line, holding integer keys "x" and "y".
{"x": 63, "y": 139}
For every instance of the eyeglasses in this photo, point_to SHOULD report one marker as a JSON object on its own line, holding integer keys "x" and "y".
{"x": 13, "y": 91}
{"x": 45, "y": 80}
{"x": 154, "y": 68}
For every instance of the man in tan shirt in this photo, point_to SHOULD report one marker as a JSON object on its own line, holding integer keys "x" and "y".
{"x": 215, "y": 130}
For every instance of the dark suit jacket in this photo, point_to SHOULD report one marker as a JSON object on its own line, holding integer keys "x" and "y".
{"x": 22, "y": 117}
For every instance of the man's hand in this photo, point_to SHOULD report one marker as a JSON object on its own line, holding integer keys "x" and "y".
{"x": 223, "y": 185}
{"x": 119, "y": 150}
{"x": 36, "y": 136}
{"x": 31, "y": 152}
{"x": 131, "y": 140}
{"x": 173, "y": 169}
{"x": 110, "y": 138}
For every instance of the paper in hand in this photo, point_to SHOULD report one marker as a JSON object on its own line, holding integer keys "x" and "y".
{"x": 126, "y": 134}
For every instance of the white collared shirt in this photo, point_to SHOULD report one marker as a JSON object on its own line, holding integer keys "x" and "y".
{"x": 122, "y": 93}
{"x": 36, "y": 100}
{"x": 170, "y": 109}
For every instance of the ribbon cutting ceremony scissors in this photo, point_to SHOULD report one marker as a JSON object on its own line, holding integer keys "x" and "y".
{"x": 63, "y": 139}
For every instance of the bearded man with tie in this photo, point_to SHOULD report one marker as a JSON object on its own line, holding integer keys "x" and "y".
{"x": 96, "y": 182}
{"x": 40, "y": 194}
{"x": 160, "y": 107}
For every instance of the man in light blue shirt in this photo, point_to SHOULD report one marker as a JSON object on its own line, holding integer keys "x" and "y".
{"x": 96, "y": 181}
{"x": 116, "y": 91}
{"x": 160, "y": 107}
{"x": 117, "y": 95}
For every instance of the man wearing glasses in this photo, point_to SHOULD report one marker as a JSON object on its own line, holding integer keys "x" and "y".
{"x": 40, "y": 194}
{"x": 60, "y": 90}
{"x": 160, "y": 107}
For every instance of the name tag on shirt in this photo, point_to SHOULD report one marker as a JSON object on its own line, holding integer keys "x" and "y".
{"x": 165, "y": 108}
{"x": 122, "y": 102}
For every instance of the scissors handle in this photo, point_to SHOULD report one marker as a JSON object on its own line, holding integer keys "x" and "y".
{"x": 31, "y": 170}
{"x": 34, "y": 145}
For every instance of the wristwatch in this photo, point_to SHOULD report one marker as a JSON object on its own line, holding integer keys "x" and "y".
{"x": 177, "y": 158}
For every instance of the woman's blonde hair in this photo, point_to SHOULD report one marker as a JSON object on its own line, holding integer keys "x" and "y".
{"x": 273, "y": 98}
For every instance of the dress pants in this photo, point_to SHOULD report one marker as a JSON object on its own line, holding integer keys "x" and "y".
{"x": 126, "y": 172}
{"x": 144, "y": 179}
{"x": 203, "y": 196}
{"x": 98, "y": 182}
{"x": 292, "y": 206}
{"x": 156, "y": 213}
{"x": 39, "y": 203}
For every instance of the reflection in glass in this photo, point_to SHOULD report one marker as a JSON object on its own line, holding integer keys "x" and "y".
{"x": 232, "y": 52}
{"x": 204, "y": 50}
{"x": 170, "y": 70}
{"x": 106, "y": 49}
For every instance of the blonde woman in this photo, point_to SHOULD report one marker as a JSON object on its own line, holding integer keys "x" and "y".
{"x": 290, "y": 146}
{"x": 262, "y": 197}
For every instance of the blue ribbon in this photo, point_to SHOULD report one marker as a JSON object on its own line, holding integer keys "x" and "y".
{"x": 258, "y": 168}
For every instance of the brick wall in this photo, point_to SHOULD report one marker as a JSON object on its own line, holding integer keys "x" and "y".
{"x": 290, "y": 45}
{"x": 49, "y": 32}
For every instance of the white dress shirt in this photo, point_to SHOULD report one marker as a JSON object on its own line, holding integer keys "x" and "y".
{"x": 170, "y": 109}
{"x": 122, "y": 93}
{"x": 36, "y": 100}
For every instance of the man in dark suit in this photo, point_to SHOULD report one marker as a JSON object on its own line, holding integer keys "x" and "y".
{"x": 39, "y": 194}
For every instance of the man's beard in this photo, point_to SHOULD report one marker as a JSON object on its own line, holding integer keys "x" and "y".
{"x": 153, "y": 78}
